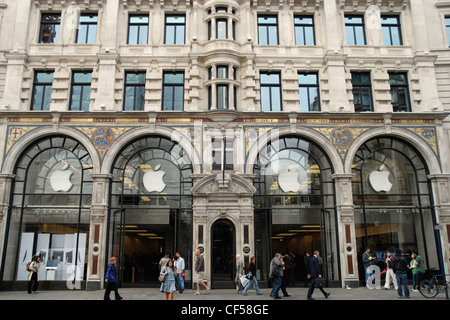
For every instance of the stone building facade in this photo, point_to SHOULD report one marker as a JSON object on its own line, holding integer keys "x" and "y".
{"x": 135, "y": 127}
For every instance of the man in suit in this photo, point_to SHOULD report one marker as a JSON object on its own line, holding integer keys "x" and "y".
{"x": 314, "y": 273}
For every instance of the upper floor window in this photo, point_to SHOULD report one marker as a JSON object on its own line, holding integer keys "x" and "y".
{"x": 268, "y": 30}
{"x": 134, "y": 96}
{"x": 220, "y": 22}
{"x": 304, "y": 30}
{"x": 50, "y": 28}
{"x": 222, "y": 89}
{"x": 308, "y": 89}
{"x": 222, "y": 153}
{"x": 399, "y": 91}
{"x": 42, "y": 90}
{"x": 354, "y": 29}
{"x": 392, "y": 33}
{"x": 175, "y": 29}
{"x": 138, "y": 29}
{"x": 447, "y": 28}
{"x": 87, "y": 31}
{"x": 173, "y": 91}
{"x": 80, "y": 97}
{"x": 270, "y": 91}
{"x": 362, "y": 91}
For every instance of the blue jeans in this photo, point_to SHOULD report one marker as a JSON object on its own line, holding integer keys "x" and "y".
{"x": 179, "y": 281}
{"x": 402, "y": 280}
{"x": 249, "y": 284}
{"x": 276, "y": 286}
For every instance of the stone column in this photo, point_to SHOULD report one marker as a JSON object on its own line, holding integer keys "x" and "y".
{"x": 347, "y": 232}
{"x": 441, "y": 196}
{"x": 97, "y": 249}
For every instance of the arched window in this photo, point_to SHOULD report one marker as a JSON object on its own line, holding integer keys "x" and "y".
{"x": 50, "y": 210}
{"x": 151, "y": 206}
{"x": 393, "y": 203}
{"x": 295, "y": 203}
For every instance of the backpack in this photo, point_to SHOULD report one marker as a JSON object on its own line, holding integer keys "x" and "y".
{"x": 28, "y": 266}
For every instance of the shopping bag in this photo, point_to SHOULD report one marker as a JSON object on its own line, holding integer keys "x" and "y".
{"x": 243, "y": 280}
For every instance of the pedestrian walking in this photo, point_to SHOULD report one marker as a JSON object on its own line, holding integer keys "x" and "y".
{"x": 239, "y": 272}
{"x": 33, "y": 278}
{"x": 168, "y": 285}
{"x": 400, "y": 269}
{"x": 200, "y": 272}
{"x": 367, "y": 260}
{"x": 390, "y": 275}
{"x": 164, "y": 260}
{"x": 180, "y": 267}
{"x": 315, "y": 273}
{"x": 111, "y": 280}
{"x": 420, "y": 267}
{"x": 413, "y": 267}
{"x": 276, "y": 272}
{"x": 251, "y": 275}
{"x": 307, "y": 258}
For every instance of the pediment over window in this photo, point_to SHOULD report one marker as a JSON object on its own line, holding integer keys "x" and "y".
{"x": 228, "y": 183}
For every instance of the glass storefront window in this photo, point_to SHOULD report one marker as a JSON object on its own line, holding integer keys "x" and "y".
{"x": 50, "y": 211}
{"x": 393, "y": 204}
{"x": 295, "y": 206}
{"x": 150, "y": 209}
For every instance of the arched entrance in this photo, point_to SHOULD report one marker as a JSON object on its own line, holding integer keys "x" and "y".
{"x": 223, "y": 253}
{"x": 393, "y": 202}
{"x": 150, "y": 209}
{"x": 295, "y": 207}
{"x": 50, "y": 211}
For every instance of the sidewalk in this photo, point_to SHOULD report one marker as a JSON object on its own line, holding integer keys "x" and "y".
{"x": 360, "y": 293}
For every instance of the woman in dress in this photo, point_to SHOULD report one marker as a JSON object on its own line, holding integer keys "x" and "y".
{"x": 168, "y": 285}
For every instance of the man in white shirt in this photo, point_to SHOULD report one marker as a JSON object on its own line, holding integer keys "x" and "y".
{"x": 179, "y": 267}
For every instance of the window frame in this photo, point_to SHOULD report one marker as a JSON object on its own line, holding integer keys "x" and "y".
{"x": 88, "y": 29}
{"x": 175, "y": 26}
{"x": 43, "y": 23}
{"x": 308, "y": 87}
{"x": 83, "y": 85}
{"x": 172, "y": 86}
{"x": 139, "y": 26}
{"x": 303, "y": 27}
{"x": 353, "y": 27}
{"x": 390, "y": 27}
{"x": 46, "y": 86}
{"x": 447, "y": 29}
{"x": 135, "y": 86}
{"x": 271, "y": 86}
{"x": 359, "y": 87}
{"x": 266, "y": 27}
{"x": 397, "y": 88}
{"x": 228, "y": 149}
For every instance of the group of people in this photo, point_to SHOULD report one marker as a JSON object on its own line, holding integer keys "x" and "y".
{"x": 172, "y": 271}
{"x": 397, "y": 269}
{"x": 314, "y": 273}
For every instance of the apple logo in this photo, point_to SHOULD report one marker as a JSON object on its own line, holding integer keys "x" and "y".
{"x": 60, "y": 179}
{"x": 153, "y": 180}
{"x": 288, "y": 180}
{"x": 379, "y": 180}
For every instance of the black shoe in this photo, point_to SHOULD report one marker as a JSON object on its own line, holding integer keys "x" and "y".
{"x": 327, "y": 295}
{"x": 287, "y": 295}
{"x": 311, "y": 298}
{"x": 276, "y": 297}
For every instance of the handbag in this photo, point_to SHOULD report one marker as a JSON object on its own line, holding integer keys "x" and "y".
{"x": 249, "y": 275}
{"x": 162, "y": 277}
